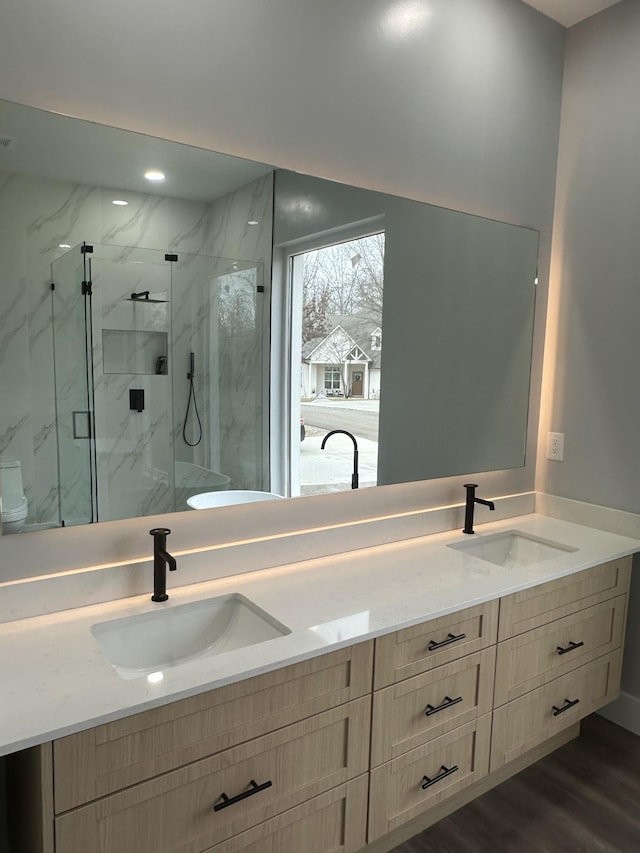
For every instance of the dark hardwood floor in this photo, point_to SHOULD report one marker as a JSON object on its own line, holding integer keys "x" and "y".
{"x": 584, "y": 798}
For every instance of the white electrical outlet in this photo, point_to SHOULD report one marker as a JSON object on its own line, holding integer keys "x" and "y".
{"x": 555, "y": 446}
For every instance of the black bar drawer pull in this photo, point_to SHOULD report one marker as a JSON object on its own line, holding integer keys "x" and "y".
{"x": 569, "y": 648}
{"x": 448, "y": 702}
{"x": 229, "y": 801}
{"x": 446, "y": 771}
{"x": 451, "y": 638}
{"x": 569, "y": 704}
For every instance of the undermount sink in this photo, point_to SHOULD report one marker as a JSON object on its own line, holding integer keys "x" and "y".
{"x": 150, "y": 642}
{"x": 512, "y": 549}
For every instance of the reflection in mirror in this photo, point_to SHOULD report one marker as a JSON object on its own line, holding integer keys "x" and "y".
{"x": 131, "y": 339}
{"x": 170, "y": 336}
{"x": 140, "y": 378}
{"x": 456, "y": 331}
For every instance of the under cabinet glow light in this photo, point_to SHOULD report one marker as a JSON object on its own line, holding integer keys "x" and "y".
{"x": 253, "y": 222}
{"x": 154, "y": 175}
{"x": 64, "y": 246}
{"x": 120, "y": 202}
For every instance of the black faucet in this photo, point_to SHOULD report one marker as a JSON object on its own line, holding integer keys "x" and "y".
{"x": 472, "y": 500}
{"x": 161, "y": 557}
{"x": 354, "y": 476}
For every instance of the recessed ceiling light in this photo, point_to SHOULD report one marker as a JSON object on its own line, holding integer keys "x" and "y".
{"x": 120, "y": 202}
{"x": 253, "y": 222}
{"x": 64, "y": 246}
{"x": 154, "y": 175}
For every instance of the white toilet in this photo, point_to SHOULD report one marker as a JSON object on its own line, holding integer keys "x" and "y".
{"x": 14, "y": 503}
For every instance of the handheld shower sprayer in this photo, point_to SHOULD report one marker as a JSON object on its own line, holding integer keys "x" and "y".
{"x": 192, "y": 398}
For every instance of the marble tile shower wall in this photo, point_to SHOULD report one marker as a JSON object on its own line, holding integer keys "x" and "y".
{"x": 35, "y": 217}
{"x": 242, "y": 407}
{"x": 193, "y": 279}
{"x": 134, "y": 454}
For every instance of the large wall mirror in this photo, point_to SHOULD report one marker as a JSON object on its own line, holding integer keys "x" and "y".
{"x": 419, "y": 314}
{"x": 135, "y": 326}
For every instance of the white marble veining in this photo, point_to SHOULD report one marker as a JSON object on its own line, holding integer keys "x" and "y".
{"x": 56, "y": 681}
{"x": 36, "y": 216}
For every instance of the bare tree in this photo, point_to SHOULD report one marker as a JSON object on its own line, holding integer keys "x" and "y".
{"x": 347, "y": 277}
{"x": 236, "y": 307}
{"x": 371, "y": 276}
{"x": 314, "y": 317}
{"x": 328, "y": 273}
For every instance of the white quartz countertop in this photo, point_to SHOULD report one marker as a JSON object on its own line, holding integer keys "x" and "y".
{"x": 55, "y": 680}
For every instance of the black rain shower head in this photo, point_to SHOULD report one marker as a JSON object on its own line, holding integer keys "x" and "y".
{"x": 143, "y": 296}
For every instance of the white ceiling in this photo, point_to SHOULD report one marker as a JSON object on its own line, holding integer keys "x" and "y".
{"x": 55, "y": 147}
{"x": 569, "y": 12}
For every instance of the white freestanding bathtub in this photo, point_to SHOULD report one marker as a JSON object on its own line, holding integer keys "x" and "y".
{"x": 208, "y": 500}
{"x": 194, "y": 479}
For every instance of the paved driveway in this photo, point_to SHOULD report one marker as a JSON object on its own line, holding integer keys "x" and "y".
{"x": 358, "y": 416}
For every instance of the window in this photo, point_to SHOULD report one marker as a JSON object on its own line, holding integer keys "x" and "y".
{"x": 331, "y": 295}
{"x": 376, "y": 340}
{"x": 332, "y": 378}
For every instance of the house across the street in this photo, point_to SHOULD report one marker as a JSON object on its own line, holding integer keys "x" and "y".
{"x": 346, "y": 362}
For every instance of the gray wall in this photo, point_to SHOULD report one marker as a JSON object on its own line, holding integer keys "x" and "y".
{"x": 462, "y": 112}
{"x": 590, "y": 388}
{"x": 457, "y": 324}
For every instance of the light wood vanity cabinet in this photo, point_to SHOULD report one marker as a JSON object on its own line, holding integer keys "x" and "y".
{"x": 332, "y": 823}
{"x": 360, "y": 747}
{"x": 423, "y": 777}
{"x": 538, "y": 656}
{"x": 260, "y": 779}
{"x": 113, "y": 756}
{"x": 559, "y": 656}
{"x": 431, "y": 644}
{"x": 455, "y": 721}
{"x": 426, "y": 706}
{"x": 543, "y": 604}
{"x": 524, "y": 723}
{"x": 193, "y": 775}
{"x": 431, "y": 732}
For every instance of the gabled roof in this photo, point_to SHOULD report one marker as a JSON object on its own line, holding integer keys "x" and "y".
{"x": 358, "y": 327}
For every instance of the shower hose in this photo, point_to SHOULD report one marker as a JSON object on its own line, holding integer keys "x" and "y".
{"x": 192, "y": 401}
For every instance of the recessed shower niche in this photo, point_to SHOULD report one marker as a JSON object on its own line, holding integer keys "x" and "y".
{"x": 134, "y": 351}
{"x": 183, "y": 332}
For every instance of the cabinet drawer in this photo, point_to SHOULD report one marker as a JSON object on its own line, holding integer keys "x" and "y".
{"x": 397, "y": 794}
{"x": 526, "y": 722}
{"x": 542, "y": 604}
{"x": 426, "y": 706}
{"x": 116, "y": 755}
{"x": 530, "y": 660}
{"x": 175, "y": 812}
{"x": 335, "y": 822}
{"x": 430, "y": 644}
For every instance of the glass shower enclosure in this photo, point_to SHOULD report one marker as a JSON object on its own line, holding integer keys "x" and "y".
{"x": 159, "y": 378}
